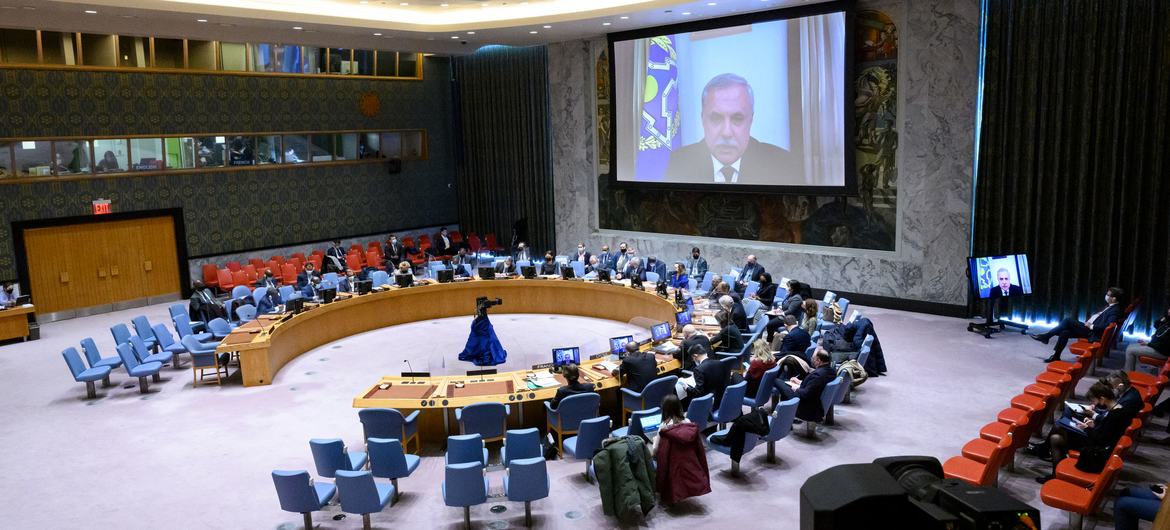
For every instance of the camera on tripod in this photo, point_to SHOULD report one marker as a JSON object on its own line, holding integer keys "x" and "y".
{"x": 483, "y": 303}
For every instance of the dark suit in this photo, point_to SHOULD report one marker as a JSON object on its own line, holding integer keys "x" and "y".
{"x": 685, "y": 349}
{"x": 395, "y": 253}
{"x": 267, "y": 304}
{"x": 583, "y": 259}
{"x": 606, "y": 260}
{"x": 710, "y": 378}
{"x": 639, "y": 369}
{"x": 523, "y": 255}
{"x": 570, "y": 390}
{"x": 750, "y": 273}
{"x": 443, "y": 248}
{"x": 739, "y": 315}
{"x": 304, "y": 278}
{"x": 266, "y": 282}
{"x": 730, "y": 339}
{"x": 657, "y": 267}
{"x": 767, "y": 294}
{"x": 630, "y": 272}
{"x": 1072, "y": 328}
{"x": 697, "y": 268}
{"x": 811, "y": 388}
{"x": 204, "y": 306}
{"x": 503, "y": 268}
{"x": 796, "y": 341}
{"x": 762, "y": 165}
{"x": 996, "y": 292}
{"x": 329, "y": 265}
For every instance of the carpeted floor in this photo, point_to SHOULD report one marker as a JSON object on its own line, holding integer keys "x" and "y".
{"x": 184, "y": 457}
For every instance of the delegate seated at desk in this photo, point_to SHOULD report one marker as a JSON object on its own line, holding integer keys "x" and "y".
{"x": 269, "y": 302}
{"x": 306, "y": 277}
{"x": 506, "y": 267}
{"x": 572, "y": 375}
{"x": 550, "y": 265}
{"x": 691, "y": 337}
{"x": 710, "y": 378}
{"x": 639, "y": 368}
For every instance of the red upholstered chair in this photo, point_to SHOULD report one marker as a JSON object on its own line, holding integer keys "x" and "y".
{"x": 1096, "y": 350}
{"x": 473, "y": 243}
{"x": 456, "y": 236}
{"x": 297, "y": 255}
{"x": 274, "y": 265}
{"x": 491, "y": 243}
{"x": 318, "y": 252}
{"x": 979, "y": 472}
{"x": 1079, "y": 500}
{"x": 424, "y": 239}
{"x": 353, "y": 261}
{"x": 356, "y": 247}
{"x": 240, "y": 278}
{"x": 251, "y": 273}
{"x": 288, "y": 273}
{"x": 1045, "y": 391}
{"x": 316, "y": 261}
{"x": 297, "y": 264}
{"x": 210, "y": 275}
{"x": 1067, "y": 469}
{"x": 278, "y": 259}
{"x": 408, "y": 241}
{"x": 256, "y": 263}
{"x": 226, "y": 281}
{"x": 373, "y": 259}
{"x": 374, "y": 245}
{"x": 233, "y": 266}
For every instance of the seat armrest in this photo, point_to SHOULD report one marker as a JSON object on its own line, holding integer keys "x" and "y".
{"x": 412, "y": 417}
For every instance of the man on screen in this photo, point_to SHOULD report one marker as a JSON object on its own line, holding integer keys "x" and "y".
{"x": 1005, "y": 287}
{"x": 728, "y": 154}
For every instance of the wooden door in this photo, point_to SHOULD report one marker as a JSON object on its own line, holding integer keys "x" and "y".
{"x": 160, "y": 263}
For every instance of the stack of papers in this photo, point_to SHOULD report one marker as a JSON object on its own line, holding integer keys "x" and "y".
{"x": 545, "y": 381}
{"x": 608, "y": 366}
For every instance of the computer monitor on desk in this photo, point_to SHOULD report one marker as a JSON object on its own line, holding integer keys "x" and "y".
{"x": 563, "y": 356}
{"x": 603, "y": 275}
{"x": 328, "y": 295}
{"x": 294, "y": 306}
{"x": 660, "y": 332}
{"x": 617, "y": 345}
{"x": 487, "y": 273}
{"x": 568, "y": 273}
{"x": 403, "y": 280}
{"x": 528, "y": 271}
{"x": 446, "y": 275}
{"x": 682, "y": 318}
{"x": 364, "y": 286}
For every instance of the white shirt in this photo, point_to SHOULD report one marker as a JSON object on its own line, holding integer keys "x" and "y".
{"x": 719, "y": 170}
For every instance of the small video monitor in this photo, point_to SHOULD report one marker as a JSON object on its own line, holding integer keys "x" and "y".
{"x": 568, "y": 273}
{"x": 528, "y": 271}
{"x": 660, "y": 332}
{"x": 1000, "y": 276}
{"x": 487, "y": 273}
{"x": 563, "y": 356}
{"x": 602, "y": 275}
{"x": 636, "y": 281}
{"x": 403, "y": 280}
{"x": 294, "y": 306}
{"x": 690, "y": 306}
{"x": 617, "y": 345}
{"x": 446, "y": 275}
{"x": 682, "y": 318}
{"x": 364, "y": 286}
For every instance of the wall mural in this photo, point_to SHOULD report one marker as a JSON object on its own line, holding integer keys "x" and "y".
{"x": 864, "y": 222}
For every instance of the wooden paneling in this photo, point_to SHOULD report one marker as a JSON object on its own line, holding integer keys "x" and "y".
{"x": 92, "y": 264}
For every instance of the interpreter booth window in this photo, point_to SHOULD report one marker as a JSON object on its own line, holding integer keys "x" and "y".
{"x": 6, "y": 160}
{"x": 33, "y": 159}
{"x": 233, "y": 56}
{"x": 146, "y": 154}
{"x": 168, "y": 53}
{"x": 387, "y": 63}
{"x": 408, "y": 64}
{"x": 369, "y": 145}
{"x": 201, "y": 54}
{"x": 391, "y": 145}
{"x": 363, "y": 62}
{"x": 71, "y": 157}
{"x": 18, "y": 46}
{"x": 314, "y": 60}
{"x": 242, "y": 151}
{"x": 58, "y": 48}
{"x": 412, "y": 145}
{"x": 346, "y": 146}
{"x": 322, "y": 146}
{"x": 339, "y": 62}
{"x": 111, "y": 156}
{"x": 209, "y": 151}
{"x": 98, "y": 50}
{"x": 133, "y": 52}
{"x": 268, "y": 149}
{"x": 180, "y": 152}
{"x": 288, "y": 58}
{"x": 296, "y": 148}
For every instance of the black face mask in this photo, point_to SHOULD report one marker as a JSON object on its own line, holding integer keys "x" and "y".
{"x": 695, "y": 255}
{"x": 623, "y": 251}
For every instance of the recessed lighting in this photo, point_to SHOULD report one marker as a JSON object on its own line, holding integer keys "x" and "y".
{"x": 534, "y": 32}
{"x": 685, "y": 13}
{"x": 605, "y": 23}
{"x": 30, "y": 8}
{"x": 377, "y": 34}
{"x": 127, "y": 16}
{"x": 471, "y": 33}
{"x": 444, "y": 5}
{"x": 201, "y": 20}
{"x": 712, "y": 3}
{"x": 454, "y": 36}
{"x": 548, "y": 27}
{"x": 364, "y": 2}
{"x": 404, "y": 3}
{"x": 90, "y": 12}
{"x": 298, "y": 28}
{"x": 624, "y": 17}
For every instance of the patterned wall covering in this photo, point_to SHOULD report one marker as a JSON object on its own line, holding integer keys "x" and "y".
{"x": 234, "y": 211}
{"x": 866, "y": 222}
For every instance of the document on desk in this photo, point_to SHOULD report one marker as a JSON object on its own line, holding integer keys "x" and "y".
{"x": 710, "y": 321}
{"x": 545, "y": 381}
{"x": 608, "y": 366}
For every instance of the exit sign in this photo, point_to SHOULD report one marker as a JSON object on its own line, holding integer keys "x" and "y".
{"x": 101, "y": 206}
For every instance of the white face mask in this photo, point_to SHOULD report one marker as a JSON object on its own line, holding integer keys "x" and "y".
{"x": 1106, "y": 299}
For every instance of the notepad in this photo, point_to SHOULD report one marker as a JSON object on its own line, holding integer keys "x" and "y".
{"x": 545, "y": 381}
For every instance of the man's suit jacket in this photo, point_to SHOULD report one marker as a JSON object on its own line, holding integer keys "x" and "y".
{"x": 796, "y": 341}
{"x": 584, "y": 260}
{"x": 697, "y": 268}
{"x": 811, "y": 388}
{"x": 607, "y": 259}
{"x": 330, "y": 254}
{"x": 443, "y": 248}
{"x": 523, "y": 255}
{"x": 699, "y": 339}
{"x": 658, "y": 267}
{"x": 761, "y": 164}
{"x": 502, "y": 268}
{"x": 304, "y": 278}
{"x": 750, "y": 273}
{"x": 730, "y": 339}
{"x": 621, "y": 260}
{"x": 1014, "y": 290}
{"x": 1110, "y": 315}
{"x": 710, "y": 378}
{"x": 264, "y": 282}
{"x": 739, "y": 315}
{"x": 267, "y": 304}
{"x": 640, "y": 369}
{"x": 630, "y": 272}
{"x": 395, "y": 253}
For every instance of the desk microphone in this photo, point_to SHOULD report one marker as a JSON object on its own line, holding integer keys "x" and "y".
{"x": 408, "y": 367}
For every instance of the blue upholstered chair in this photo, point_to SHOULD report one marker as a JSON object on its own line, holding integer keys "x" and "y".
{"x": 388, "y": 460}
{"x": 180, "y": 309}
{"x": 699, "y": 411}
{"x": 828, "y": 397}
{"x": 730, "y": 277}
{"x": 227, "y": 307}
{"x": 134, "y": 368}
{"x": 520, "y": 444}
{"x": 465, "y": 448}
{"x": 330, "y": 277}
{"x": 81, "y": 374}
{"x": 649, "y": 397}
{"x": 527, "y": 480}
{"x": 219, "y": 328}
{"x": 183, "y": 328}
{"x": 121, "y": 333}
{"x": 166, "y": 341}
{"x": 464, "y": 485}
{"x": 299, "y": 494}
{"x": 749, "y": 442}
{"x": 635, "y": 426}
{"x": 843, "y": 303}
{"x": 259, "y": 293}
{"x": 246, "y": 312}
{"x": 489, "y": 420}
{"x": 590, "y": 434}
{"x": 731, "y": 406}
{"x": 752, "y": 288}
{"x": 380, "y": 278}
{"x": 841, "y": 396}
{"x": 203, "y": 358}
{"x": 705, "y": 285}
{"x": 764, "y": 393}
{"x": 578, "y": 268}
{"x": 523, "y": 263}
{"x": 866, "y": 345}
{"x": 651, "y": 277}
{"x": 94, "y": 357}
{"x": 330, "y": 455}
{"x": 830, "y": 296}
{"x": 144, "y": 355}
{"x": 779, "y": 425}
{"x": 144, "y": 332}
{"x": 692, "y": 284}
{"x": 241, "y": 290}
{"x": 361, "y": 495}
{"x": 287, "y": 293}
{"x": 564, "y": 419}
{"x": 389, "y": 423}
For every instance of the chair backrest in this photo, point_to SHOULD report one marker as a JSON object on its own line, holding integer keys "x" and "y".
{"x": 210, "y": 274}
{"x": 750, "y": 307}
{"x": 489, "y": 420}
{"x": 225, "y": 279}
{"x": 699, "y": 411}
{"x": 139, "y": 348}
{"x": 829, "y": 394}
{"x": 182, "y": 325}
{"x": 387, "y": 458}
{"x": 574, "y": 409}
{"x": 295, "y": 492}
{"x": 764, "y": 392}
{"x": 651, "y": 277}
{"x": 590, "y": 434}
{"x": 464, "y": 448}
{"x": 706, "y": 284}
{"x": 73, "y": 359}
{"x": 474, "y": 243}
{"x": 233, "y": 266}
{"x": 164, "y": 336}
{"x": 353, "y": 261}
{"x": 261, "y": 292}
{"x": 382, "y": 423}
{"x": 92, "y": 355}
{"x": 752, "y": 288}
{"x": 142, "y": 327}
{"x": 829, "y": 297}
{"x": 636, "y": 420}
{"x": 329, "y": 456}
{"x": 380, "y": 278}
{"x": 246, "y": 312}
{"x": 357, "y": 492}
{"x": 781, "y": 422}
{"x": 121, "y": 333}
{"x": 288, "y": 273}
{"x": 219, "y": 326}
{"x": 330, "y": 277}
{"x": 654, "y": 392}
{"x": 177, "y": 309}
{"x": 730, "y": 407}
{"x": 844, "y": 388}
{"x": 240, "y": 290}
{"x": 198, "y": 351}
{"x": 239, "y": 277}
{"x": 256, "y": 263}
{"x": 863, "y": 354}
{"x": 843, "y": 303}
{"x": 527, "y": 479}
{"x": 287, "y": 292}
{"x": 578, "y": 268}
{"x": 730, "y": 278}
{"x": 373, "y": 258}
{"x": 126, "y": 353}
{"x": 520, "y": 444}
{"x": 463, "y": 484}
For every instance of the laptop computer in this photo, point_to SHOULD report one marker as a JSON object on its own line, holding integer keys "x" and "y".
{"x": 617, "y": 345}
{"x": 660, "y": 333}
{"x": 487, "y": 273}
{"x": 650, "y": 424}
{"x": 403, "y": 280}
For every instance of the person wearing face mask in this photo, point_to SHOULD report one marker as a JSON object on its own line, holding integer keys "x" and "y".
{"x": 268, "y": 280}
{"x": 606, "y": 259}
{"x": 1157, "y": 347}
{"x": 269, "y": 302}
{"x": 1089, "y": 329}
{"x": 751, "y": 273}
{"x": 347, "y": 283}
{"x": 550, "y": 265}
{"x": 696, "y": 265}
{"x": 582, "y": 255}
{"x": 623, "y": 257}
{"x": 1095, "y": 436}
{"x": 522, "y": 253}
{"x": 307, "y": 278}
{"x": 335, "y": 258}
{"x": 394, "y": 251}
{"x": 657, "y": 267}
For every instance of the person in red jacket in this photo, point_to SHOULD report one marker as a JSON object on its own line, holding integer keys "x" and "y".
{"x": 762, "y": 361}
{"x": 681, "y": 457}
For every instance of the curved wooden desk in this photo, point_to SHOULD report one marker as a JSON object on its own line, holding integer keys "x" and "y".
{"x": 268, "y": 343}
